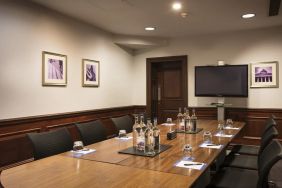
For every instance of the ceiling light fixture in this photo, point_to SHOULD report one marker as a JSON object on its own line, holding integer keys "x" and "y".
{"x": 183, "y": 14}
{"x": 248, "y": 15}
{"x": 176, "y": 6}
{"x": 150, "y": 28}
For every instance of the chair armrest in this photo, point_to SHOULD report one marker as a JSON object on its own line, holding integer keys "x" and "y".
{"x": 271, "y": 184}
{"x": 111, "y": 136}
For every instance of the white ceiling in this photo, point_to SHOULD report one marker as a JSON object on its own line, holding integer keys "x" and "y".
{"x": 129, "y": 17}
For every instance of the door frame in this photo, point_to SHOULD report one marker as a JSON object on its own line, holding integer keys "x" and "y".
{"x": 152, "y": 61}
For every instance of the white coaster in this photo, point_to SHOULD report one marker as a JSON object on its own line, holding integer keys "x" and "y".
{"x": 224, "y": 135}
{"x": 124, "y": 138}
{"x": 83, "y": 151}
{"x": 232, "y": 128}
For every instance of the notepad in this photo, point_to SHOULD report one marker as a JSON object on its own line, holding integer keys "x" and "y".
{"x": 83, "y": 151}
{"x": 124, "y": 138}
{"x": 224, "y": 135}
{"x": 232, "y": 128}
{"x": 168, "y": 124}
{"x": 190, "y": 165}
{"x": 209, "y": 145}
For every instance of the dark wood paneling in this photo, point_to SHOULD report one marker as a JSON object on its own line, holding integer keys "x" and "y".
{"x": 254, "y": 118}
{"x": 255, "y": 122}
{"x": 166, "y": 86}
{"x": 205, "y": 112}
{"x": 15, "y": 147}
{"x": 172, "y": 79}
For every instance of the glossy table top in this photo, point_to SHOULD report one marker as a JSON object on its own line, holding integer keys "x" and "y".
{"x": 107, "y": 168}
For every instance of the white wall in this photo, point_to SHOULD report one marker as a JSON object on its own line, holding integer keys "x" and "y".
{"x": 25, "y": 31}
{"x": 242, "y": 47}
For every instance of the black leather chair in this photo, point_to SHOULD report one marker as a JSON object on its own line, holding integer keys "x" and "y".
{"x": 91, "y": 132}
{"x": 244, "y": 178}
{"x": 50, "y": 143}
{"x": 250, "y": 161}
{"x": 123, "y": 123}
{"x": 254, "y": 150}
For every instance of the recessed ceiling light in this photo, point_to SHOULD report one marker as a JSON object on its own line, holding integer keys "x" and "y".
{"x": 248, "y": 15}
{"x": 176, "y": 6}
{"x": 150, "y": 28}
{"x": 183, "y": 14}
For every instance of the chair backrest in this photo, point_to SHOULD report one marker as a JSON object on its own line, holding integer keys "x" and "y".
{"x": 50, "y": 143}
{"x": 273, "y": 116}
{"x": 123, "y": 123}
{"x": 270, "y": 122}
{"x": 91, "y": 132}
{"x": 270, "y": 155}
{"x": 270, "y": 134}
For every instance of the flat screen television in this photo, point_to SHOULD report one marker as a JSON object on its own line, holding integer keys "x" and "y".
{"x": 221, "y": 81}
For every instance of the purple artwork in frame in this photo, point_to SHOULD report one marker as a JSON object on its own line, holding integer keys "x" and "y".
{"x": 54, "y": 69}
{"x": 264, "y": 75}
{"x": 90, "y": 73}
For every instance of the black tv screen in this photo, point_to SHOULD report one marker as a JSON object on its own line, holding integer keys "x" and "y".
{"x": 221, "y": 81}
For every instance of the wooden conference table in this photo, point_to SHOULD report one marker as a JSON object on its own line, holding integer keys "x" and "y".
{"x": 107, "y": 168}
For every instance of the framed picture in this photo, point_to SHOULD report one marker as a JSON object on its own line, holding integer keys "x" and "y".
{"x": 264, "y": 75}
{"x": 90, "y": 73}
{"x": 54, "y": 69}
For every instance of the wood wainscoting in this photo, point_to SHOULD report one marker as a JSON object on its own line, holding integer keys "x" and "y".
{"x": 254, "y": 118}
{"x": 255, "y": 121}
{"x": 15, "y": 147}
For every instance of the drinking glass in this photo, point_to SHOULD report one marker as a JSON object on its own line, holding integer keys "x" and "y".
{"x": 187, "y": 152}
{"x": 229, "y": 123}
{"x": 207, "y": 137}
{"x": 122, "y": 133}
{"x": 220, "y": 127}
{"x": 169, "y": 123}
{"x": 77, "y": 145}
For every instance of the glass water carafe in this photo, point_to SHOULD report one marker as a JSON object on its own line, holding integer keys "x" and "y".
{"x": 135, "y": 132}
{"x": 149, "y": 139}
{"x": 193, "y": 121}
{"x": 156, "y": 133}
{"x": 140, "y": 141}
{"x": 180, "y": 122}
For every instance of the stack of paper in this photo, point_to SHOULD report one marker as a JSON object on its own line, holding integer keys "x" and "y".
{"x": 232, "y": 128}
{"x": 83, "y": 151}
{"x": 124, "y": 138}
{"x": 223, "y": 135}
{"x": 209, "y": 145}
{"x": 190, "y": 164}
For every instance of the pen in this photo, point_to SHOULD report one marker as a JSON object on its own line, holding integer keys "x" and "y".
{"x": 191, "y": 164}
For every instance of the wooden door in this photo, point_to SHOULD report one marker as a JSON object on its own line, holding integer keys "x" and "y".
{"x": 166, "y": 86}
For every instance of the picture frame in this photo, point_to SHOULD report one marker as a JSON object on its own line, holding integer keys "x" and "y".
{"x": 54, "y": 69}
{"x": 264, "y": 75}
{"x": 90, "y": 73}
